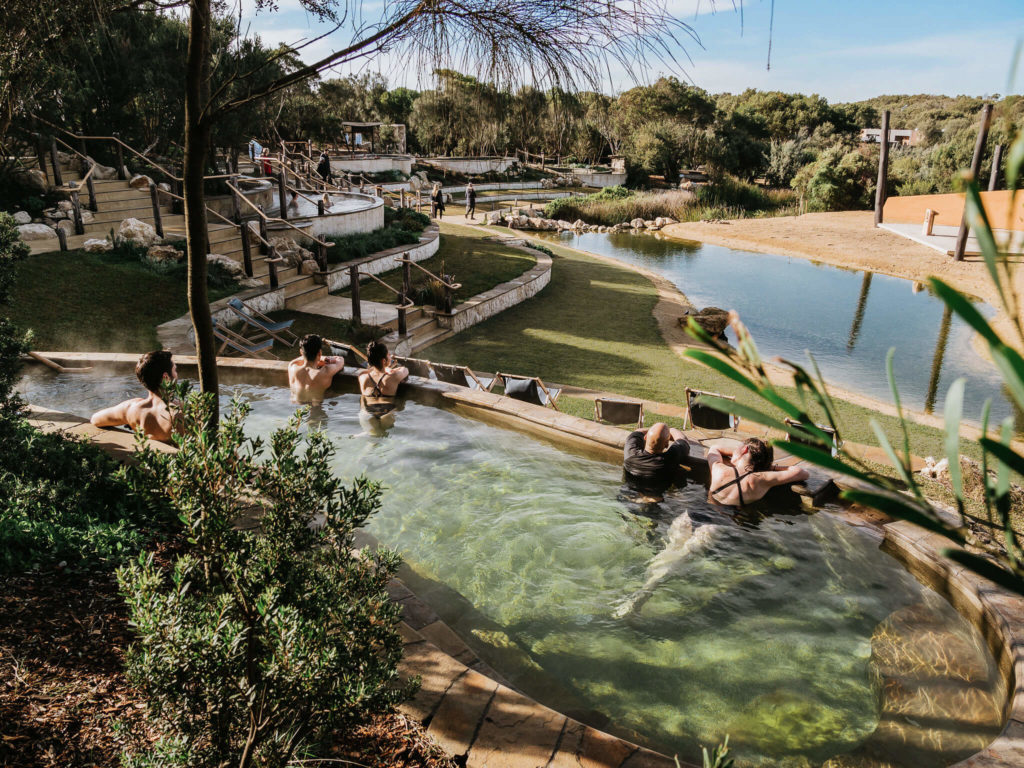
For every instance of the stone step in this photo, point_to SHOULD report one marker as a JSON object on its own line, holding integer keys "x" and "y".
{"x": 305, "y": 296}
{"x": 436, "y": 334}
{"x": 112, "y": 195}
{"x": 120, "y": 214}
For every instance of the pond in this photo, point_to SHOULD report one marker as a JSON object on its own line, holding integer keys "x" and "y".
{"x": 786, "y": 630}
{"x": 847, "y": 319}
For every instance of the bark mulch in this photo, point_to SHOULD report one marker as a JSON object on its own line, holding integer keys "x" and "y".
{"x": 65, "y": 702}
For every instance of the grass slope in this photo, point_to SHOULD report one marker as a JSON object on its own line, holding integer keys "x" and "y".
{"x": 97, "y": 302}
{"x": 592, "y": 327}
{"x": 476, "y": 262}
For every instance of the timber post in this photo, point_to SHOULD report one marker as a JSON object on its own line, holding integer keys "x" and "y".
{"x": 883, "y": 169}
{"x": 265, "y": 238}
{"x": 321, "y": 256}
{"x": 320, "y": 207}
{"x": 93, "y": 205}
{"x": 979, "y": 151}
{"x": 403, "y": 328}
{"x": 236, "y": 207}
{"x": 353, "y": 283}
{"x": 272, "y": 268}
{"x": 155, "y": 200}
{"x": 41, "y": 156}
{"x": 997, "y": 158}
{"x": 76, "y": 207}
{"x": 62, "y": 238}
{"x": 282, "y": 192}
{"x": 243, "y": 233}
{"x": 406, "y": 275}
{"x": 58, "y": 179}
{"x": 120, "y": 158}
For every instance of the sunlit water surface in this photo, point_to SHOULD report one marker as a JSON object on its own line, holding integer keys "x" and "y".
{"x": 526, "y": 550}
{"x": 847, "y": 319}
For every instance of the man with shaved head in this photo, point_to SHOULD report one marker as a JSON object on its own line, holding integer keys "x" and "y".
{"x": 652, "y": 456}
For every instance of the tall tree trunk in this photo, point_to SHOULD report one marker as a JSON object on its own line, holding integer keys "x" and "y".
{"x": 197, "y": 144}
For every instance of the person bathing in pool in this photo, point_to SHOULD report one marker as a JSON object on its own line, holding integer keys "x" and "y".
{"x": 651, "y": 457}
{"x": 150, "y": 413}
{"x": 378, "y": 384}
{"x": 310, "y": 374}
{"x": 749, "y": 476}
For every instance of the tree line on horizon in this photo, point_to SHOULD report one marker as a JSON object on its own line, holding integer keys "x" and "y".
{"x": 97, "y": 83}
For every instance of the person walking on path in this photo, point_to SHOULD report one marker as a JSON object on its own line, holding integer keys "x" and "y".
{"x": 437, "y": 202}
{"x": 470, "y": 202}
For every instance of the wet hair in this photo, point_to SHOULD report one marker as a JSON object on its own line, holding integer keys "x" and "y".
{"x": 312, "y": 345}
{"x": 151, "y": 368}
{"x": 761, "y": 454}
{"x": 377, "y": 354}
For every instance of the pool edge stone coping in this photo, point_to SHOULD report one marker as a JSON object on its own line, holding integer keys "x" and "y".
{"x": 998, "y": 614}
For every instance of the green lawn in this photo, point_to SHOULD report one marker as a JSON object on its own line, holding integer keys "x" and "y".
{"x": 592, "y": 327}
{"x": 477, "y": 263}
{"x": 96, "y": 302}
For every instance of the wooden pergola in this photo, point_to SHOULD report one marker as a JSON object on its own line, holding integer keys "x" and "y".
{"x": 351, "y": 129}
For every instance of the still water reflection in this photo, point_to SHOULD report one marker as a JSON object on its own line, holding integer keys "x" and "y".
{"x": 848, "y": 319}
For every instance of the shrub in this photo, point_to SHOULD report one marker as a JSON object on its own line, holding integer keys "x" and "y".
{"x": 362, "y": 245}
{"x": 406, "y": 218}
{"x": 257, "y": 642}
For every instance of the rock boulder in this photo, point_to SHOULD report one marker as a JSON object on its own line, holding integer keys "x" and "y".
{"x": 138, "y": 232}
{"x": 97, "y": 245}
{"x": 164, "y": 254}
{"x": 35, "y": 232}
{"x": 22, "y": 217}
{"x": 140, "y": 181}
{"x": 711, "y": 319}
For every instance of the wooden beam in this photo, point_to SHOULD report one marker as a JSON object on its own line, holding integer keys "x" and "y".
{"x": 997, "y": 158}
{"x": 979, "y": 151}
{"x": 883, "y": 169}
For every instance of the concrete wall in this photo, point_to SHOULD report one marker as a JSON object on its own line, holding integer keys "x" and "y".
{"x": 472, "y": 165}
{"x": 602, "y": 180}
{"x": 372, "y": 164}
{"x": 499, "y": 298}
{"x": 349, "y": 222}
{"x": 910, "y": 209}
{"x": 378, "y": 263}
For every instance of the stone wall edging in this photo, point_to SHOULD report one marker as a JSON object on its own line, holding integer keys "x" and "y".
{"x": 499, "y": 298}
{"x": 384, "y": 261}
{"x": 998, "y": 614}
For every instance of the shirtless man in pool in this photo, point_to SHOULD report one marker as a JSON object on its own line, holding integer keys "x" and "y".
{"x": 310, "y": 374}
{"x": 150, "y": 413}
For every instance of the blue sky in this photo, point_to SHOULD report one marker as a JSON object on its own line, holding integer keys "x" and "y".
{"x": 841, "y": 49}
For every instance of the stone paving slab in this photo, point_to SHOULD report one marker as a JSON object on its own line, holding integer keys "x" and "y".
{"x": 516, "y": 733}
{"x": 455, "y": 723}
{"x": 584, "y": 747}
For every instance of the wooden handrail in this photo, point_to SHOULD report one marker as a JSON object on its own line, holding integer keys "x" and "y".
{"x": 407, "y": 260}
{"x": 269, "y": 219}
{"x": 407, "y": 305}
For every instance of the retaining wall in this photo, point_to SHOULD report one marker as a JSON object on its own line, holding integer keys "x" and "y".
{"x": 499, "y": 298}
{"x": 372, "y": 164}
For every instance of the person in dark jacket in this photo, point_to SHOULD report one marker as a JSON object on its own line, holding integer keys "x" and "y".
{"x": 323, "y": 168}
{"x": 470, "y": 201}
{"x": 437, "y": 202}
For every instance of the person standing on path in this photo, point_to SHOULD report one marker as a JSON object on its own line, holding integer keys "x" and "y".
{"x": 470, "y": 202}
{"x": 437, "y": 202}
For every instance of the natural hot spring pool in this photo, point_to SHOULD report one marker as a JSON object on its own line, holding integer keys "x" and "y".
{"x": 791, "y": 632}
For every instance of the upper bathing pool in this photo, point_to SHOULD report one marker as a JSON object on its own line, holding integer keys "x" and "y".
{"x": 847, "y": 319}
{"x": 792, "y": 632}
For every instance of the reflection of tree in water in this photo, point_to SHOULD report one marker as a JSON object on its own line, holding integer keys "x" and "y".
{"x": 940, "y": 353}
{"x": 858, "y": 316}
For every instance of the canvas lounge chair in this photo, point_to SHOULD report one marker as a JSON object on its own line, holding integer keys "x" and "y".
{"x": 704, "y": 417}
{"x": 416, "y": 367}
{"x": 353, "y": 357}
{"x": 610, "y": 411}
{"x": 529, "y": 389}
{"x": 462, "y": 376}
{"x": 837, "y": 443}
{"x": 261, "y": 325}
{"x": 237, "y": 343}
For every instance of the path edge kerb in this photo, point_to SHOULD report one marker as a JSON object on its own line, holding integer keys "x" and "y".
{"x": 997, "y": 613}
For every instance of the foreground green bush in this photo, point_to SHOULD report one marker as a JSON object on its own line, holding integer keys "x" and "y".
{"x": 256, "y": 643}
{"x": 362, "y": 245}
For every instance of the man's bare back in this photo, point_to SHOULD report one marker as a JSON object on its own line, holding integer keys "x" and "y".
{"x": 150, "y": 414}
{"x": 308, "y": 381}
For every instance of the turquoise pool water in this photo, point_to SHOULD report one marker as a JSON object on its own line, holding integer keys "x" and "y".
{"x": 772, "y": 631}
{"x": 848, "y": 319}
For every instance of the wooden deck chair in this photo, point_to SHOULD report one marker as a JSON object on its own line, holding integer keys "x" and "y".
{"x": 837, "y": 443}
{"x": 619, "y": 412}
{"x": 703, "y": 417}
{"x": 353, "y": 357}
{"x": 416, "y": 366}
{"x": 529, "y": 389}
{"x": 238, "y": 343}
{"x": 462, "y": 376}
{"x": 263, "y": 325}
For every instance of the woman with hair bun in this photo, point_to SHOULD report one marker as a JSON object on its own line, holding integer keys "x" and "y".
{"x": 378, "y": 385}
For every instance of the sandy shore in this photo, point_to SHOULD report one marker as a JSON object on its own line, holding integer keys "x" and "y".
{"x": 846, "y": 239}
